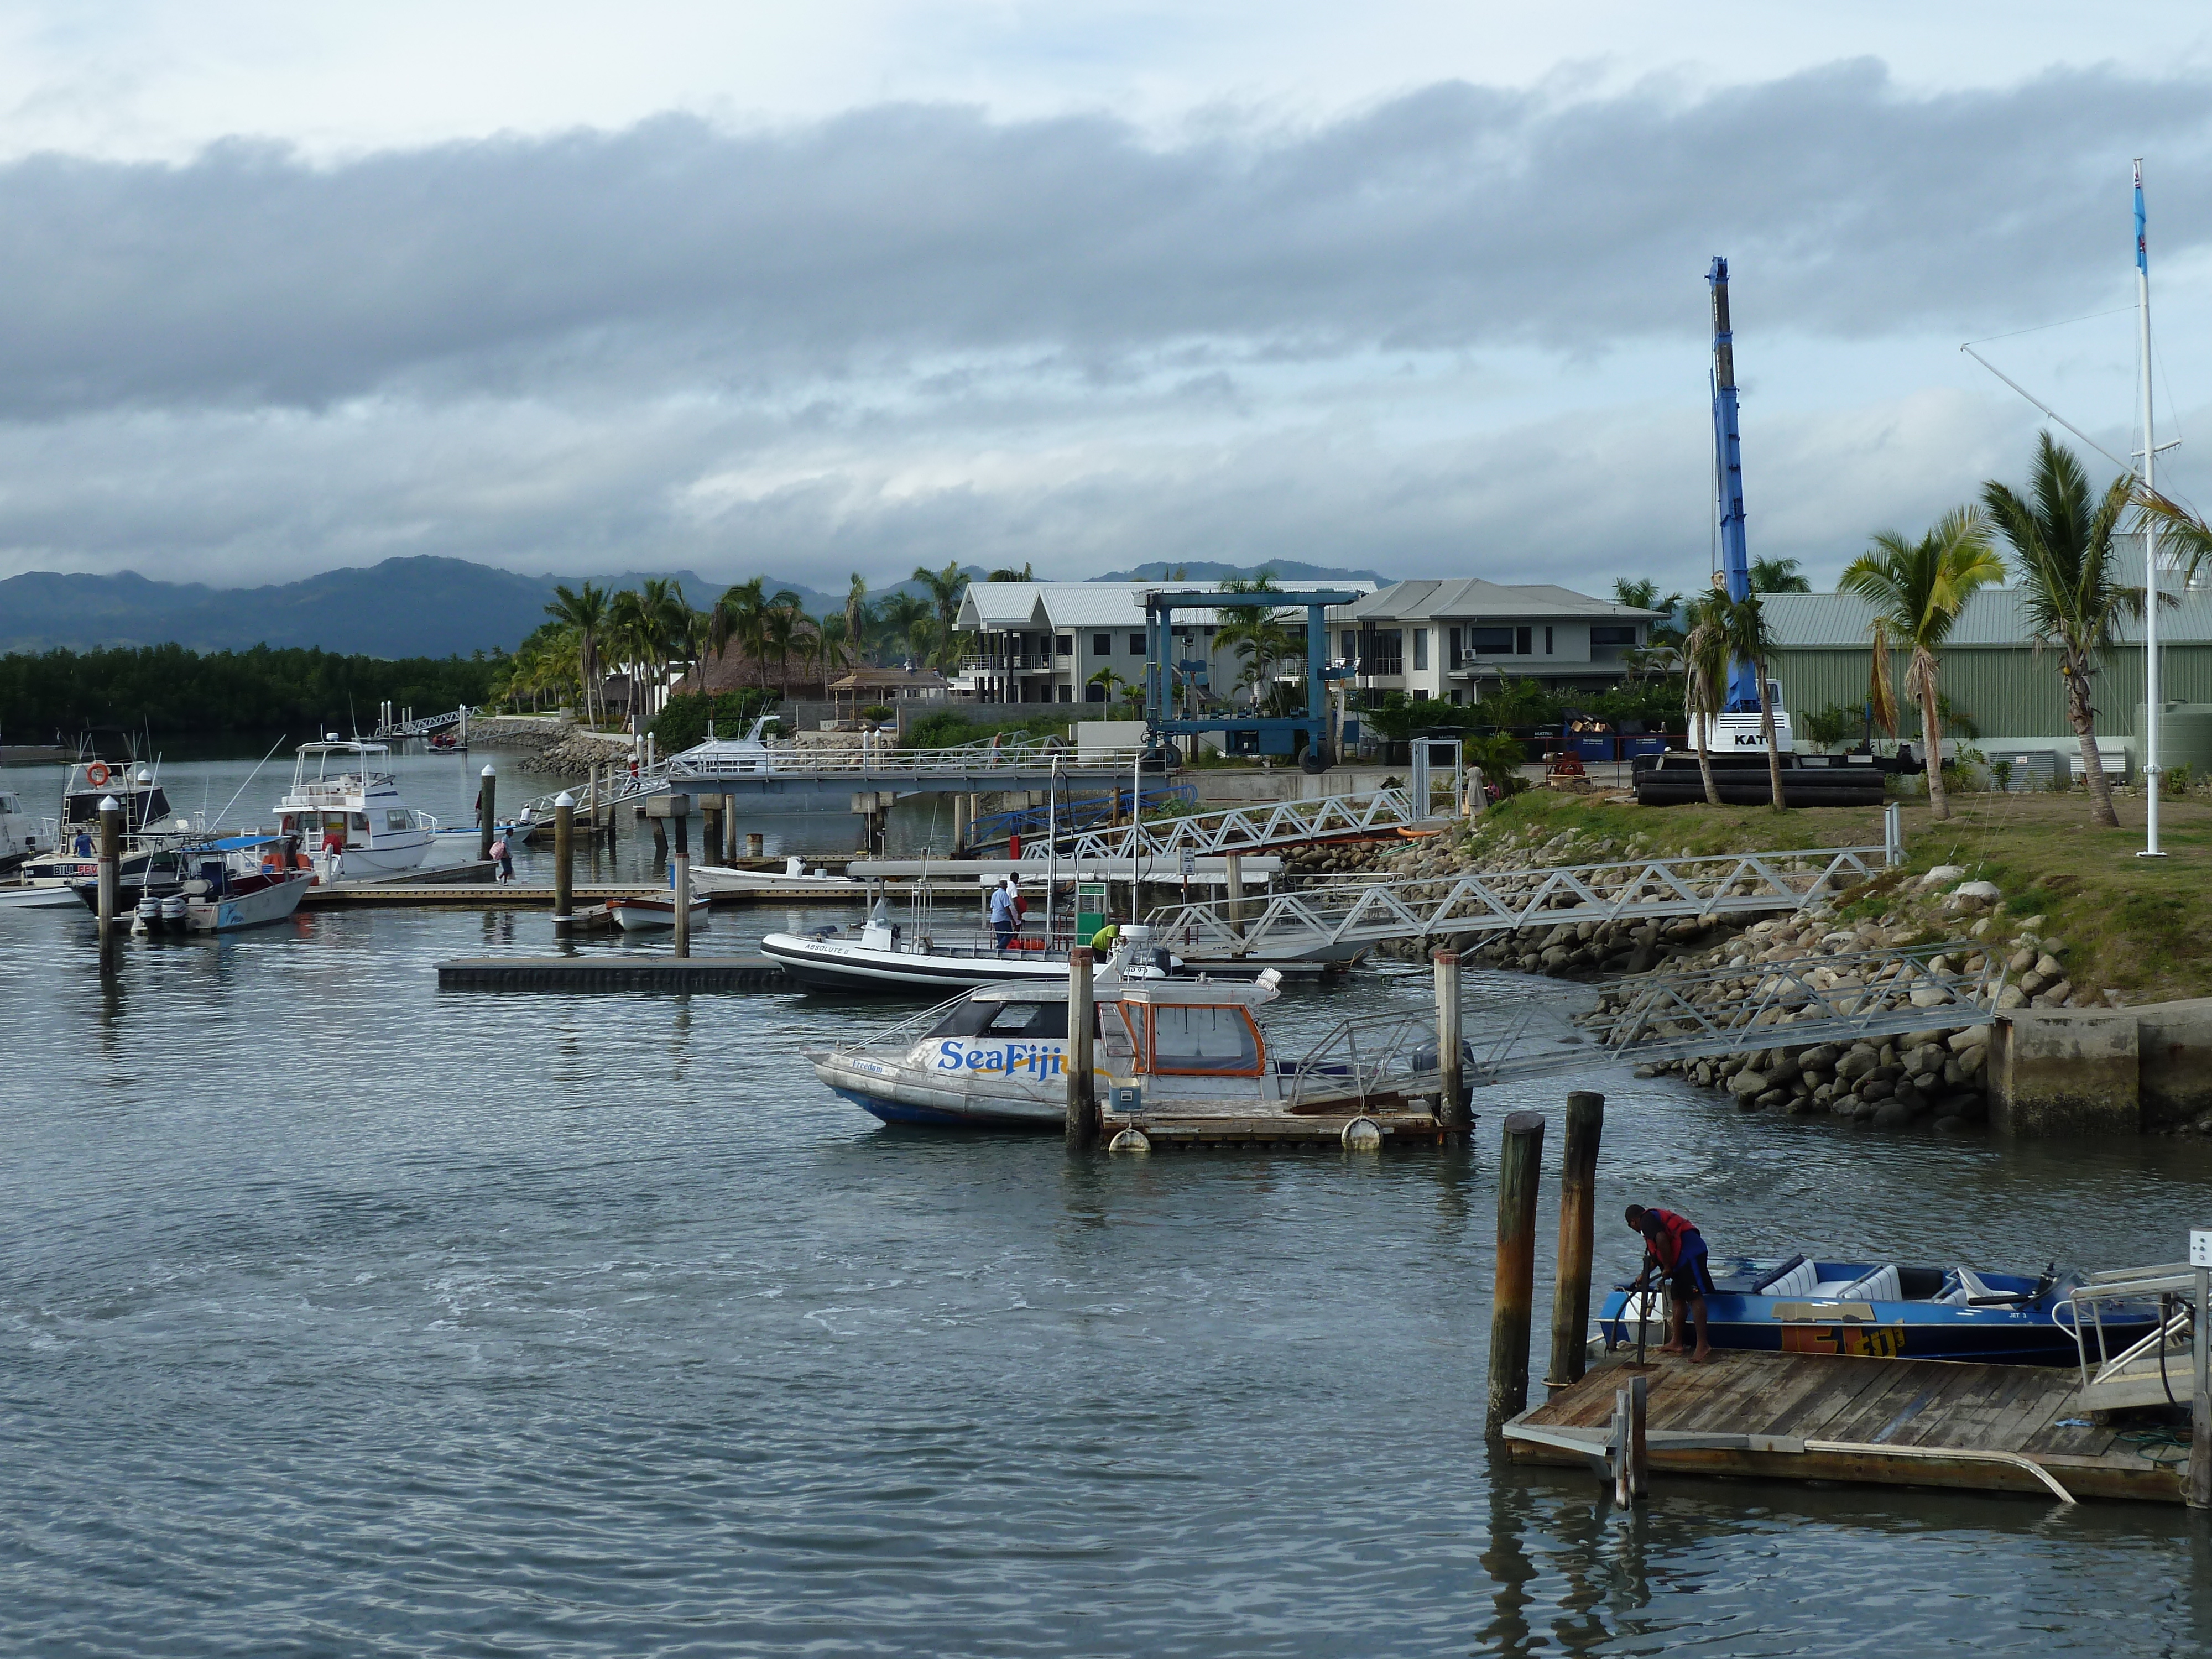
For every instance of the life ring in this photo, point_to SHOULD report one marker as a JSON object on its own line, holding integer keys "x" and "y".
{"x": 97, "y": 773}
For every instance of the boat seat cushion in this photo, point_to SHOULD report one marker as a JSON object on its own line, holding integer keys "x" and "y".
{"x": 1880, "y": 1285}
{"x": 1798, "y": 1281}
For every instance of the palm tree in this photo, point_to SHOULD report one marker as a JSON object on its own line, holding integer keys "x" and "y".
{"x": 1743, "y": 630}
{"x": 856, "y": 616}
{"x": 1642, "y": 593}
{"x": 2183, "y": 536}
{"x": 1010, "y": 575}
{"x": 586, "y": 612}
{"x": 832, "y": 642}
{"x": 1117, "y": 686}
{"x": 2061, "y": 536}
{"x": 1778, "y": 576}
{"x": 737, "y": 615}
{"x": 896, "y": 616}
{"x": 945, "y": 586}
{"x": 779, "y": 620}
{"x": 1704, "y": 678}
{"x": 1917, "y": 589}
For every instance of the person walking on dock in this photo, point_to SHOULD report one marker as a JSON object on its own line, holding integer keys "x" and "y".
{"x": 1003, "y": 918}
{"x": 502, "y": 862}
{"x": 1674, "y": 1249}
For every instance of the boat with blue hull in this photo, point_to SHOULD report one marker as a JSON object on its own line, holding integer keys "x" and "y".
{"x": 1879, "y": 1309}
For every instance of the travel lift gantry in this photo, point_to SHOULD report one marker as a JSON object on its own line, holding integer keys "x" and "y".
{"x": 1249, "y": 733}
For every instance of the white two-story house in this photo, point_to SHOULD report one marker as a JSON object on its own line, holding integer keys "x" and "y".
{"x": 1448, "y": 640}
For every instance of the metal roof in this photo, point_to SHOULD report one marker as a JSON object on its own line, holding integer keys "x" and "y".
{"x": 1471, "y": 596}
{"x": 1992, "y": 616}
{"x": 1095, "y": 604}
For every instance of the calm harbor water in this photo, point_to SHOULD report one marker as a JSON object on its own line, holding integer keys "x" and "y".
{"x": 337, "y": 1316}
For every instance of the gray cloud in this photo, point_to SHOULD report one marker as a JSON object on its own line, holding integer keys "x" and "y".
{"x": 675, "y": 254}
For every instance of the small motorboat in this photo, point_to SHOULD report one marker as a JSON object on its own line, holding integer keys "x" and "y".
{"x": 347, "y": 813}
{"x": 883, "y": 958}
{"x": 793, "y": 878}
{"x": 638, "y": 916}
{"x": 238, "y": 882}
{"x": 1164, "y": 1050}
{"x": 1881, "y": 1310}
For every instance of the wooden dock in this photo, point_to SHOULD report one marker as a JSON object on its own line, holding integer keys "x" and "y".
{"x": 477, "y": 895}
{"x": 607, "y": 970}
{"x": 1881, "y": 1422}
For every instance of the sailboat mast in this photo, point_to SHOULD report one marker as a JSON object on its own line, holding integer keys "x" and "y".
{"x": 2152, "y": 695}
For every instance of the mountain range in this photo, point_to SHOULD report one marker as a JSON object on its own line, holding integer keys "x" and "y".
{"x": 423, "y": 606}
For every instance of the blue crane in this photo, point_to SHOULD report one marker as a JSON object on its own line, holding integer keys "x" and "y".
{"x": 1728, "y": 478}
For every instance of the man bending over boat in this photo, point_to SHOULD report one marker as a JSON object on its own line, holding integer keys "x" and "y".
{"x": 1674, "y": 1249}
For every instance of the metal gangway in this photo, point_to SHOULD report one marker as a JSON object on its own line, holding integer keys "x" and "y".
{"x": 2161, "y": 1367}
{"x": 1255, "y": 828}
{"x": 401, "y": 723}
{"x": 1333, "y": 920}
{"x": 1526, "y": 1032}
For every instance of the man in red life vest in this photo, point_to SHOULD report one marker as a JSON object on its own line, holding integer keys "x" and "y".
{"x": 1675, "y": 1250}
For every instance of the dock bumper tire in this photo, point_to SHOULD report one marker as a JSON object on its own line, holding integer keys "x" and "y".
{"x": 1131, "y": 1140}
{"x": 1362, "y": 1134}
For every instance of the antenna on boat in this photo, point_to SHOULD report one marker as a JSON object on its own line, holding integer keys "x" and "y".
{"x": 248, "y": 784}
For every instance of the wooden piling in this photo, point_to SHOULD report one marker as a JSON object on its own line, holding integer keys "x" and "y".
{"x": 1451, "y": 1088}
{"x": 1632, "y": 1471}
{"x": 565, "y": 868}
{"x": 111, "y": 869}
{"x": 681, "y": 869}
{"x": 710, "y": 827}
{"x": 1082, "y": 1096}
{"x": 1570, "y": 1293}
{"x": 1520, "y": 1161}
{"x": 487, "y": 811}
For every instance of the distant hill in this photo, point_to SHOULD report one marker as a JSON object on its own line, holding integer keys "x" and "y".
{"x": 407, "y": 607}
{"x": 1202, "y": 570}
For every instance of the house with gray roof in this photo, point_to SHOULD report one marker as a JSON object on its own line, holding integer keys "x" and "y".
{"x": 1447, "y": 639}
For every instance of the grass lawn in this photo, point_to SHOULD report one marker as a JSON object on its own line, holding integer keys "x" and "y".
{"x": 2141, "y": 925}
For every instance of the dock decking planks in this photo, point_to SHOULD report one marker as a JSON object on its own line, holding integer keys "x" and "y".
{"x": 1915, "y": 1406}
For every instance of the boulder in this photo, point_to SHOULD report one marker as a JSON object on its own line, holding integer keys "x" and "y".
{"x": 1974, "y": 1036}
{"x": 1892, "y": 1115}
{"x": 1987, "y": 891}
{"x": 2049, "y": 967}
{"x": 1876, "y": 1089}
{"x": 1747, "y": 1083}
{"x": 1822, "y": 1058}
{"x": 2022, "y": 960}
{"x": 1855, "y": 1065}
{"x": 1940, "y": 874}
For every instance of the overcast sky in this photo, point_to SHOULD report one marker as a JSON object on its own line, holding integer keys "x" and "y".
{"x": 860, "y": 286}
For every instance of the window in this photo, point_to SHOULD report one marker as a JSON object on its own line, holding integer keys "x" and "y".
{"x": 1523, "y": 642}
{"x": 1609, "y": 634}
{"x": 1068, "y": 694}
{"x": 1420, "y": 695}
{"x": 1063, "y": 645}
{"x": 1490, "y": 642}
{"x": 1094, "y": 692}
{"x": 1102, "y": 645}
{"x": 1136, "y": 645}
{"x": 1456, "y": 699}
{"x": 1420, "y": 648}
{"x": 1029, "y": 1019}
{"x": 395, "y": 823}
{"x": 1382, "y": 650}
{"x": 1548, "y": 641}
{"x": 1186, "y": 1040}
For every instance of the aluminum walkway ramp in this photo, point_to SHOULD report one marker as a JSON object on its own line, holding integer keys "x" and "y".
{"x": 1257, "y": 829}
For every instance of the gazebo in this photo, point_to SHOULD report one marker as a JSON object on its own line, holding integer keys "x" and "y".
{"x": 864, "y": 686}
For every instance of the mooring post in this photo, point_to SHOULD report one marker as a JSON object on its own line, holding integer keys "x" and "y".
{"x": 710, "y": 827}
{"x": 734, "y": 836}
{"x": 1520, "y": 1160}
{"x": 1640, "y": 1451}
{"x": 110, "y": 867}
{"x": 1616, "y": 1446}
{"x": 959, "y": 825}
{"x": 487, "y": 813}
{"x": 1082, "y": 1097}
{"x": 1570, "y": 1295}
{"x": 2200, "y": 1407}
{"x": 1235, "y": 864}
{"x": 564, "y": 871}
{"x": 1452, "y": 1114}
{"x": 680, "y": 877}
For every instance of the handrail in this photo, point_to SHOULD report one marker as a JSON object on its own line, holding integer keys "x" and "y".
{"x": 1249, "y": 828}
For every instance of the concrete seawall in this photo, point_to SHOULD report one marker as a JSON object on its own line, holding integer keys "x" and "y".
{"x": 2072, "y": 1072}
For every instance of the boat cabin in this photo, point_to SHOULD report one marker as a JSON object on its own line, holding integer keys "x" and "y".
{"x": 723, "y": 757}
{"x": 341, "y": 800}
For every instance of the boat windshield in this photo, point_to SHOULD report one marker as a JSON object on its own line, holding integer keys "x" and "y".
{"x": 1204, "y": 1038}
{"x": 1024, "y": 1019}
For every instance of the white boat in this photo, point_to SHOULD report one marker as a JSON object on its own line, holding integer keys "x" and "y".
{"x": 883, "y": 958}
{"x": 72, "y": 854}
{"x": 19, "y": 830}
{"x": 638, "y": 916}
{"x": 53, "y": 895}
{"x": 793, "y": 878}
{"x": 238, "y": 882}
{"x": 348, "y": 815}
{"x": 1163, "y": 1049}
{"x": 728, "y": 757}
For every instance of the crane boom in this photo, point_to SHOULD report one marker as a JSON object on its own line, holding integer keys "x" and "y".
{"x": 1728, "y": 478}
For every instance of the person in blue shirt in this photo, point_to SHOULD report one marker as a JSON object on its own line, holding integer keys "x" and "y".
{"x": 1003, "y": 918}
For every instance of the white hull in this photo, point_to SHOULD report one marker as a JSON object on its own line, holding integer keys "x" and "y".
{"x": 646, "y": 915}
{"x": 843, "y": 964}
{"x": 394, "y": 857}
{"x": 721, "y": 878}
{"x": 899, "y": 1094}
{"x": 43, "y": 896}
{"x": 255, "y": 910}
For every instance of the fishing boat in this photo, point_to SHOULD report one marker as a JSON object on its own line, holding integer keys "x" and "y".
{"x": 347, "y": 813}
{"x": 1881, "y": 1311}
{"x": 150, "y": 828}
{"x": 19, "y": 831}
{"x": 1167, "y": 1053}
{"x": 237, "y": 881}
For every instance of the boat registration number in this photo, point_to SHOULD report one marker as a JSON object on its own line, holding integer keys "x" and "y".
{"x": 1864, "y": 1341}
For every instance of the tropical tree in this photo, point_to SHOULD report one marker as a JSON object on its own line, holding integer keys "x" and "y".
{"x": 1119, "y": 688}
{"x": 896, "y": 616}
{"x": 1916, "y": 590}
{"x": 780, "y": 623}
{"x": 586, "y": 612}
{"x": 1498, "y": 757}
{"x": 1778, "y": 576}
{"x": 945, "y": 586}
{"x": 2061, "y": 535}
{"x": 1743, "y": 628}
{"x": 831, "y": 643}
{"x": 1642, "y": 593}
{"x": 2183, "y": 536}
{"x": 1010, "y": 575}
{"x": 1705, "y": 679}
{"x": 856, "y": 617}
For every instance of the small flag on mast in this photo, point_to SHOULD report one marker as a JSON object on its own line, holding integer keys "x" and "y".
{"x": 2142, "y": 248}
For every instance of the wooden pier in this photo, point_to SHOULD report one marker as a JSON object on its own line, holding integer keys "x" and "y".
{"x": 605, "y": 971}
{"x": 1880, "y": 1422}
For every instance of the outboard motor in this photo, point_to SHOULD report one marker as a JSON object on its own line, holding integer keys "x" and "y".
{"x": 173, "y": 913}
{"x": 148, "y": 916}
{"x": 1425, "y": 1059}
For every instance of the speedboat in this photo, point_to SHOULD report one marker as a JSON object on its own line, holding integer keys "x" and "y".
{"x": 341, "y": 803}
{"x": 1881, "y": 1311}
{"x": 1164, "y": 1050}
{"x": 240, "y": 881}
{"x": 883, "y": 958}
